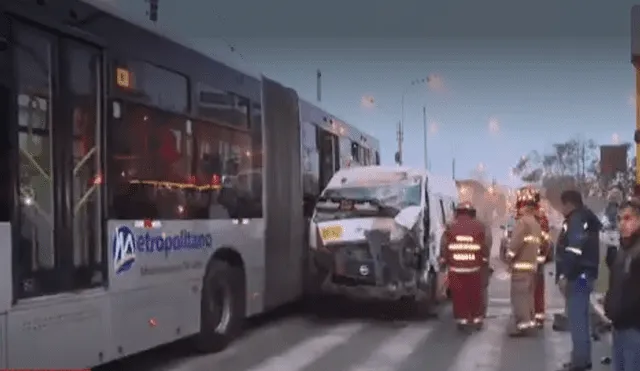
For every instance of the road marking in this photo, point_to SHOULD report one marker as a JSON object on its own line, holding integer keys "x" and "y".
{"x": 309, "y": 351}
{"x": 506, "y": 311}
{"x": 500, "y": 301}
{"x": 390, "y": 355}
{"x": 483, "y": 350}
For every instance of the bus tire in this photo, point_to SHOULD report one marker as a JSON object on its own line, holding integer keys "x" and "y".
{"x": 222, "y": 307}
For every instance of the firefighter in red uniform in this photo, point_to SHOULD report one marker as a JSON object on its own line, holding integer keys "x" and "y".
{"x": 465, "y": 252}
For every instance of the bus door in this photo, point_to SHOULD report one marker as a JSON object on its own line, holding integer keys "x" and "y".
{"x": 328, "y": 147}
{"x": 56, "y": 100}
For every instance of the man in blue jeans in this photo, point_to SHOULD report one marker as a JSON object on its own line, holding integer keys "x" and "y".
{"x": 577, "y": 273}
{"x": 622, "y": 302}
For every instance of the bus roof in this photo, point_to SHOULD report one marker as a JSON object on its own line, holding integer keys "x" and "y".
{"x": 228, "y": 59}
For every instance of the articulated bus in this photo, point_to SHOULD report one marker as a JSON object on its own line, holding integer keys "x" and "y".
{"x": 149, "y": 193}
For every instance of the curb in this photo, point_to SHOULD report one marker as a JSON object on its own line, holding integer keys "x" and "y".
{"x": 596, "y": 300}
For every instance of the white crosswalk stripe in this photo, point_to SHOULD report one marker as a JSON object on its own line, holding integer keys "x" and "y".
{"x": 411, "y": 346}
{"x": 307, "y": 352}
{"x": 389, "y": 355}
{"x": 483, "y": 350}
{"x": 480, "y": 351}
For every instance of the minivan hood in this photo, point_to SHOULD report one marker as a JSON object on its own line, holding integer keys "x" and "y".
{"x": 408, "y": 217}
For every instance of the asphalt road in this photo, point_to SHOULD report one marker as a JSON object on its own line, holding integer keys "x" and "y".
{"x": 366, "y": 337}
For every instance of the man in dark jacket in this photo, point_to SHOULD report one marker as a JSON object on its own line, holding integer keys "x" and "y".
{"x": 560, "y": 319}
{"x": 578, "y": 271}
{"x": 622, "y": 302}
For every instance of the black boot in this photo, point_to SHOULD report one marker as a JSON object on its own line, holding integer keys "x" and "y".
{"x": 570, "y": 367}
{"x": 560, "y": 323}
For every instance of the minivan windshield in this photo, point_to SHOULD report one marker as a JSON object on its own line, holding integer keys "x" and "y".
{"x": 397, "y": 195}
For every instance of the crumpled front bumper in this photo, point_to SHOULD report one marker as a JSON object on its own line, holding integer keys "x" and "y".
{"x": 372, "y": 269}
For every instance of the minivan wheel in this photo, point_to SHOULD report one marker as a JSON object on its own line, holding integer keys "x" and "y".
{"x": 221, "y": 308}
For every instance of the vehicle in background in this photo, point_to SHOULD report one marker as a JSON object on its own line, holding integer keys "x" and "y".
{"x": 505, "y": 239}
{"x": 174, "y": 202}
{"x": 372, "y": 235}
{"x": 609, "y": 236}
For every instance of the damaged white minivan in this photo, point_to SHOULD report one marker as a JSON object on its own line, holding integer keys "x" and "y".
{"x": 372, "y": 236}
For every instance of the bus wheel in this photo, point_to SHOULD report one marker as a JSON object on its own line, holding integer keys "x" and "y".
{"x": 222, "y": 307}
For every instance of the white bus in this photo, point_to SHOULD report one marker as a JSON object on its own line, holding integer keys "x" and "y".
{"x": 149, "y": 193}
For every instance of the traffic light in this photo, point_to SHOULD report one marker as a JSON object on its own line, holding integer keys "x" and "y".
{"x": 153, "y": 10}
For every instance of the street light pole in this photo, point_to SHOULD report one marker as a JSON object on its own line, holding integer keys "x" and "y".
{"x": 426, "y": 135}
{"x": 413, "y": 83}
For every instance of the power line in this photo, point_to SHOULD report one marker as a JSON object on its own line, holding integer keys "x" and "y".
{"x": 232, "y": 47}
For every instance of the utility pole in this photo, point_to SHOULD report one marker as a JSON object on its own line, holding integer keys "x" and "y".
{"x": 319, "y": 85}
{"x": 453, "y": 169}
{"x": 426, "y": 135}
{"x": 400, "y": 137}
{"x": 582, "y": 167}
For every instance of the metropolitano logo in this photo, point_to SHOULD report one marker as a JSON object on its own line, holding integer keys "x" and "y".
{"x": 124, "y": 249}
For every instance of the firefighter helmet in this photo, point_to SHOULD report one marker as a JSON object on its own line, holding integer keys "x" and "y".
{"x": 527, "y": 196}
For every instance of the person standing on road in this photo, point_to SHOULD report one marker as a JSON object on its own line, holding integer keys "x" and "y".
{"x": 578, "y": 271}
{"x": 560, "y": 320}
{"x": 622, "y": 301}
{"x": 543, "y": 258}
{"x": 465, "y": 253}
{"x": 521, "y": 256}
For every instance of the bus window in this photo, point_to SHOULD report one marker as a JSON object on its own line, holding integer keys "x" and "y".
{"x": 310, "y": 160}
{"x": 366, "y": 156}
{"x": 355, "y": 152}
{"x": 223, "y": 107}
{"x": 150, "y": 164}
{"x": 156, "y": 86}
{"x": 36, "y": 249}
{"x": 329, "y": 147}
{"x": 362, "y": 154}
{"x": 6, "y": 188}
{"x": 226, "y": 174}
{"x": 87, "y": 177}
{"x": 255, "y": 125}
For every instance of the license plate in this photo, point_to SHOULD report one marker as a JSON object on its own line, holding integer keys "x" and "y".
{"x": 332, "y": 233}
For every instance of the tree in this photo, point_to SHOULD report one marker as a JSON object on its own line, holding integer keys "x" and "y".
{"x": 574, "y": 164}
